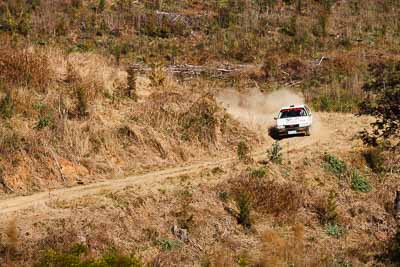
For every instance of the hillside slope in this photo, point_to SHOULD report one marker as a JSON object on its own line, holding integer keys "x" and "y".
{"x": 139, "y": 212}
{"x": 136, "y": 133}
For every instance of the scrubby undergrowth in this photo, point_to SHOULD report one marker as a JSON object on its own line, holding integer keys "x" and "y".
{"x": 257, "y": 214}
{"x": 68, "y": 120}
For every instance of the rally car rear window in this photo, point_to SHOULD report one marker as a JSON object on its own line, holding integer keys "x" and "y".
{"x": 293, "y": 112}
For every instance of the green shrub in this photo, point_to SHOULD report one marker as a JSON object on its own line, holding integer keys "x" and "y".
{"x": 258, "y": 173}
{"x": 334, "y": 165}
{"x": 275, "y": 153}
{"x": 168, "y": 244}
{"x": 244, "y": 205}
{"x": 334, "y": 229}
{"x": 42, "y": 123}
{"x": 102, "y": 5}
{"x": 359, "y": 183}
{"x": 244, "y": 261}
{"x": 45, "y": 116}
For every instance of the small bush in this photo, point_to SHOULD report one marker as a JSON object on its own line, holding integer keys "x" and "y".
{"x": 82, "y": 102}
{"x": 334, "y": 229}
{"x": 43, "y": 122}
{"x": 375, "y": 159}
{"x": 359, "y": 183}
{"x": 269, "y": 197}
{"x": 320, "y": 29}
{"x": 157, "y": 75}
{"x": 200, "y": 122}
{"x": 326, "y": 209}
{"x": 331, "y": 213}
{"x": 7, "y": 107}
{"x": 244, "y": 205}
{"x": 258, "y": 173}
{"x": 275, "y": 154}
{"x": 334, "y": 165}
{"x": 243, "y": 151}
{"x": 168, "y": 244}
{"x": 102, "y": 5}
{"x": 223, "y": 196}
{"x": 10, "y": 141}
{"x": 131, "y": 89}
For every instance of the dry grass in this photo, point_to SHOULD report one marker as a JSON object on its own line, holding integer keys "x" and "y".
{"x": 278, "y": 251}
{"x": 11, "y": 240}
{"x": 24, "y": 67}
{"x": 269, "y": 196}
{"x": 147, "y": 212}
{"x": 70, "y": 107}
{"x": 85, "y": 119}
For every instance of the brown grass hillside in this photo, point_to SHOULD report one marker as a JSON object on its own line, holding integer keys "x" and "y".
{"x": 135, "y": 133}
{"x": 308, "y": 211}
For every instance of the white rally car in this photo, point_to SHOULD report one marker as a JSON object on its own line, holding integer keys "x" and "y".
{"x": 293, "y": 120}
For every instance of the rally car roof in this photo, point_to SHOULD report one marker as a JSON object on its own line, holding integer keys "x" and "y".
{"x": 294, "y": 106}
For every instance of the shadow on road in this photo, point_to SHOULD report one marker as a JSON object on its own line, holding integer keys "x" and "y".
{"x": 273, "y": 133}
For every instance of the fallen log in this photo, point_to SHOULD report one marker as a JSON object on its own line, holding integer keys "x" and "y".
{"x": 193, "y": 70}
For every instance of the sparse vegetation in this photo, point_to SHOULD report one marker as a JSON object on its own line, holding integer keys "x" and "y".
{"x": 168, "y": 244}
{"x": 394, "y": 248}
{"x": 7, "y": 106}
{"x": 92, "y": 90}
{"x": 275, "y": 154}
{"x": 334, "y": 229}
{"x": 334, "y": 165}
{"x": 223, "y": 196}
{"x": 12, "y": 240}
{"x": 258, "y": 173}
{"x": 359, "y": 183}
{"x": 375, "y": 159}
{"x": 75, "y": 257}
{"x": 131, "y": 89}
{"x": 286, "y": 250}
{"x": 243, "y": 151}
{"x": 82, "y": 102}
{"x": 244, "y": 205}
{"x": 383, "y": 103}
{"x": 268, "y": 196}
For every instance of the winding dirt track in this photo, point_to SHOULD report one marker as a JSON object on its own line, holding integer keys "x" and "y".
{"x": 38, "y": 201}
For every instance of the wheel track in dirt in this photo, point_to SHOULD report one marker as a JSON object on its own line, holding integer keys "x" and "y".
{"x": 38, "y": 201}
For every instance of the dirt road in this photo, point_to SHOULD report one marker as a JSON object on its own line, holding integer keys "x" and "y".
{"x": 333, "y": 132}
